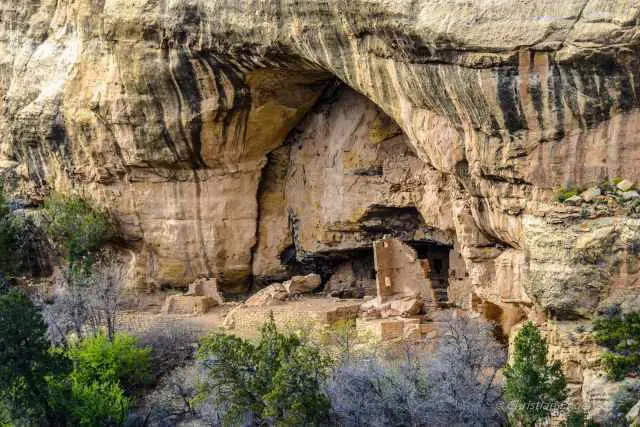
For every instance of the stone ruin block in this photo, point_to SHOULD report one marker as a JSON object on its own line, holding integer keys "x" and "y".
{"x": 202, "y": 296}
{"x": 205, "y": 288}
{"x": 184, "y": 304}
{"x": 400, "y": 272}
{"x": 395, "y": 329}
{"x": 342, "y": 313}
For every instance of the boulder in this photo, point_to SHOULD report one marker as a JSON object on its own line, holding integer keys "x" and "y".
{"x": 407, "y": 306}
{"x": 302, "y": 284}
{"x": 230, "y": 319}
{"x": 400, "y": 305}
{"x": 597, "y": 394}
{"x": 591, "y": 194}
{"x": 271, "y": 295}
{"x": 630, "y": 195}
{"x": 574, "y": 201}
{"x": 633, "y": 416}
{"x": 625, "y": 185}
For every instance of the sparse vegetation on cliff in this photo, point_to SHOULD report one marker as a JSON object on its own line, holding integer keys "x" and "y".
{"x": 564, "y": 194}
{"x": 619, "y": 333}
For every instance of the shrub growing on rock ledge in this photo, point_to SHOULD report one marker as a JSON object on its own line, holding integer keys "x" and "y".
{"x": 76, "y": 227}
{"x": 620, "y": 334}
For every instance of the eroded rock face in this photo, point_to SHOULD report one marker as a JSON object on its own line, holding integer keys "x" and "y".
{"x": 468, "y": 116}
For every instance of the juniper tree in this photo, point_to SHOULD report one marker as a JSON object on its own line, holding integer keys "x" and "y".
{"x": 534, "y": 385}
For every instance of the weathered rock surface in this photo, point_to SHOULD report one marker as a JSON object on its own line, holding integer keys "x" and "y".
{"x": 633, "y": 416}
{"x": 302, "y": 284}
{"x": 467, "y": 118}
{"x": 276, "y": 293}
{"x": 206, "y": 288}
{"x": 271, "y": 295}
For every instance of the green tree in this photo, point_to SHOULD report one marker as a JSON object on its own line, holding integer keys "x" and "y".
{"x": 620, "y": 334}
{"x": 10, "y": 251}
{"x": 76, "y": 227}
{"x": 534, "y": 386}
{"x": 27, "y": 364}
{"x": 276, "y": 381}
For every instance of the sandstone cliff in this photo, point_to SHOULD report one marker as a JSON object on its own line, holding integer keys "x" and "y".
{"x": 216, "y": 132}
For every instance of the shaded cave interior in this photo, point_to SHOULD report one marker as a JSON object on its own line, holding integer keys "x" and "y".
{"x": 348, "y": 266}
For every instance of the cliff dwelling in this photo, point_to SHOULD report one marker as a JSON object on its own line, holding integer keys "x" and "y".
{"x": 481, "y": 157}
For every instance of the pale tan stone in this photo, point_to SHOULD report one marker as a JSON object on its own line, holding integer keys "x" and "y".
{"x": 625, "y": 185}
{"x": 271, "y": 295}
{"x": 206, "y": 288}
{"x": 633, "y": 416}
{"x": 302, "y": 284}
{"x": 590, "y": 194}
{"x": 183, "y": 304}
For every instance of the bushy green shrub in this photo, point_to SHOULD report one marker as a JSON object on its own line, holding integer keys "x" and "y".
{"x": 620, "y": 334}
{"x": 534, "y": 385}
{"x": 98, "y": 404}
{"x": 105, "y": 375}
{"x": 76, "y": 227}
{"x": 275, "y": 381}
{"x": 121, "y": 361}
{"x": 578, "y": 418}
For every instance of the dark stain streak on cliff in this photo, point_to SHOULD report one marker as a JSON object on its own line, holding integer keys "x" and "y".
{"x": 186, "y": 79}
{"x": 177, "y": 93}
{"x": 237, "y": 114}
{"x": 534, "y": 86}
{"x": 598, "y": 109}
{"x": 556, "y": 100}
{"x": 509, "y": 99}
